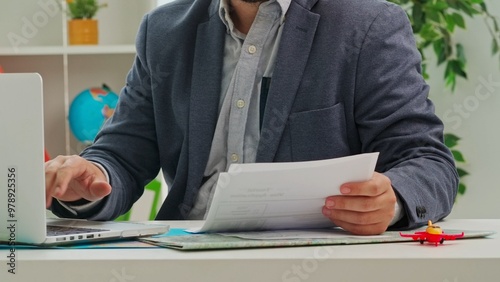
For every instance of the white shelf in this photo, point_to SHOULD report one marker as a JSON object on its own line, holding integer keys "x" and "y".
{"x": 100, "y": 49}
{"x": 70, "y": 50}
{"x": 31, "y": 51}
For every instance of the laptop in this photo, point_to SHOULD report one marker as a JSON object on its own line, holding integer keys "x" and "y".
{"x": 22, "y": 176}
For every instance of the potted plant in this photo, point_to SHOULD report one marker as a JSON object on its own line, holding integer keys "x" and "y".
{"x": 82, "y": 28}
{"x": 434, "y": 24}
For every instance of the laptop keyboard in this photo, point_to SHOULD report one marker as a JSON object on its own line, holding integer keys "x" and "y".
{"x": 53, "y": 230}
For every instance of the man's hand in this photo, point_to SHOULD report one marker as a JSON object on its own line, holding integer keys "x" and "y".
{"x": 364, "y": 208}
{"x": 71, "y": 178}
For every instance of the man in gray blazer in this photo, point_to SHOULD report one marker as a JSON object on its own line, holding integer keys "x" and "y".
{"x": 236, "y": 81}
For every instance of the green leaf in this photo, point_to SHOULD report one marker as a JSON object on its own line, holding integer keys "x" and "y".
{"x": 440, "y": 50}
{"x": 451, "y": 80}
{"x": 438, "y": 5}
{"x": 483, "y": 6}
{"x": 496, "y": 28}
{"x": 451, "y": 140}
{"x": 84, "y": 9}
{"x": 450, "y": 77}
{"x": 461, "y": 54}
{"x": 453, "y": 5}
{"x": 458, "y": 68}
{"x": 450, "y": 23}
{"x": 417, "y": 17}
{"x": 467, "y": 9}
{"x": 457, "y": 155}
{"x": 495, "y": 47}
{"x": 428, "y": 32}
{"x": 459, "y": 20}
{"x": 433, "y": 15}
{"x": 462, "y": 188}
{"x": 461, "y": 172}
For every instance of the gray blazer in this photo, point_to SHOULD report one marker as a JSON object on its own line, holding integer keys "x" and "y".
{"x": 347, "y": 80}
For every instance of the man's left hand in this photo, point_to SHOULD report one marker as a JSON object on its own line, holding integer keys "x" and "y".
{"x": 364, "y": 208}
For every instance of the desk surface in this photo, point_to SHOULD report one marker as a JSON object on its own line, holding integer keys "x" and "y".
{"x": 454, "y": 261}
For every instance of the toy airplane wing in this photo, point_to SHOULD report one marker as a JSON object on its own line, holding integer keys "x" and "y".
{"x": 452, "y": 236}
{"x": 415, "y": 236}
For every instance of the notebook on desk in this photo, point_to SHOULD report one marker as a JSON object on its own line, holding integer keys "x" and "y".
{"x": 22, "y": 176}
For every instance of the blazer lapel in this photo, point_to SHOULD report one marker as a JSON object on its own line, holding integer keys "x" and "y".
{"x": 296, "y": 41}
{"x": 204, "y": 101}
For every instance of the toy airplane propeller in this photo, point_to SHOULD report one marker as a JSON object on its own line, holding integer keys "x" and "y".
{"x": 432, "y": 234}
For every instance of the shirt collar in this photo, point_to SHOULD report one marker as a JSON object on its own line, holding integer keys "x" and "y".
{"x": 226, "y": 19}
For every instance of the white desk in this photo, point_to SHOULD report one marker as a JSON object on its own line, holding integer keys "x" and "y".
{"x": 454, "y": 261}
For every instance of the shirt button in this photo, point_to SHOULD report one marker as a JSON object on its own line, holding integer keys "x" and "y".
{"x": 252, "y": 49}
{"x": 234, "y": 158}
{"x": 240, "y": 103}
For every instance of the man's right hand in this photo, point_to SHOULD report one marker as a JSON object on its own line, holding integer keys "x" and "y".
{"x": 71, "y": 178}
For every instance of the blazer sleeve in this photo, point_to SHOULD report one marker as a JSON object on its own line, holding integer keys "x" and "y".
{"x": 126, "y": 146}
{"x": 396, "y": 118}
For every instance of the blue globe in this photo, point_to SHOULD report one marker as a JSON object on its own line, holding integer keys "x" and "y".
{"x": 88, "y": 112}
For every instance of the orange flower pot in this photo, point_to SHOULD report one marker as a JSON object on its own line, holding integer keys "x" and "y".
{"x": 83, "y": 32}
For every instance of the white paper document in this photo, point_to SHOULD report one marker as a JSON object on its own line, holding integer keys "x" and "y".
{"x": 325, "y": 233}
{"x": 269, "y": 196}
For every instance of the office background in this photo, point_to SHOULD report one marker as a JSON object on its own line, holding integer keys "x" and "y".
{"x": 472, "y": 113}
{"x": 32, "y": 39}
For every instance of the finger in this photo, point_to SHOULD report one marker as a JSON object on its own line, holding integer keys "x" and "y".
{"x": 98, "y": 190}
{"x": 360, "y": 218}
{"x": 385, "y": 201}
{"x": 51, "y": 168}
{"x": 377, "y": 185}
{"x": 92, "y": 184}
{"x": 354, "y": 203}
{"x": 67, "y": 171}
{"x": 361, "y": 222}
{"x": 63, "y": 172}
{"x": 72, "y": 178}
{"x": 356, "y": 229}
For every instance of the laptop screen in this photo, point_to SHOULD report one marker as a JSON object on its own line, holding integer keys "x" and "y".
{"x": 22, "y": 196}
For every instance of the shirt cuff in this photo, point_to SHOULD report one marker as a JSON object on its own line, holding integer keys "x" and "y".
{"x": 398, "y": 212}
{"x": 77, "y": 209}
{"x": 103, "y": 170}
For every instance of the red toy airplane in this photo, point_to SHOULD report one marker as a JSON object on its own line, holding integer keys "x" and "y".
{"x": 433, "y": 234}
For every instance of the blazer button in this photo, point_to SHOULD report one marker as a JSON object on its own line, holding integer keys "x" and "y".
{"x": 421, "y": 211}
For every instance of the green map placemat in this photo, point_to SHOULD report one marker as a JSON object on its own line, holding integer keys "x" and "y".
{"x": 231, "y": 241}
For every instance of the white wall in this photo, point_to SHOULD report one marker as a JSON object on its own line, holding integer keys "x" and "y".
{"x": 473, "y": 113}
